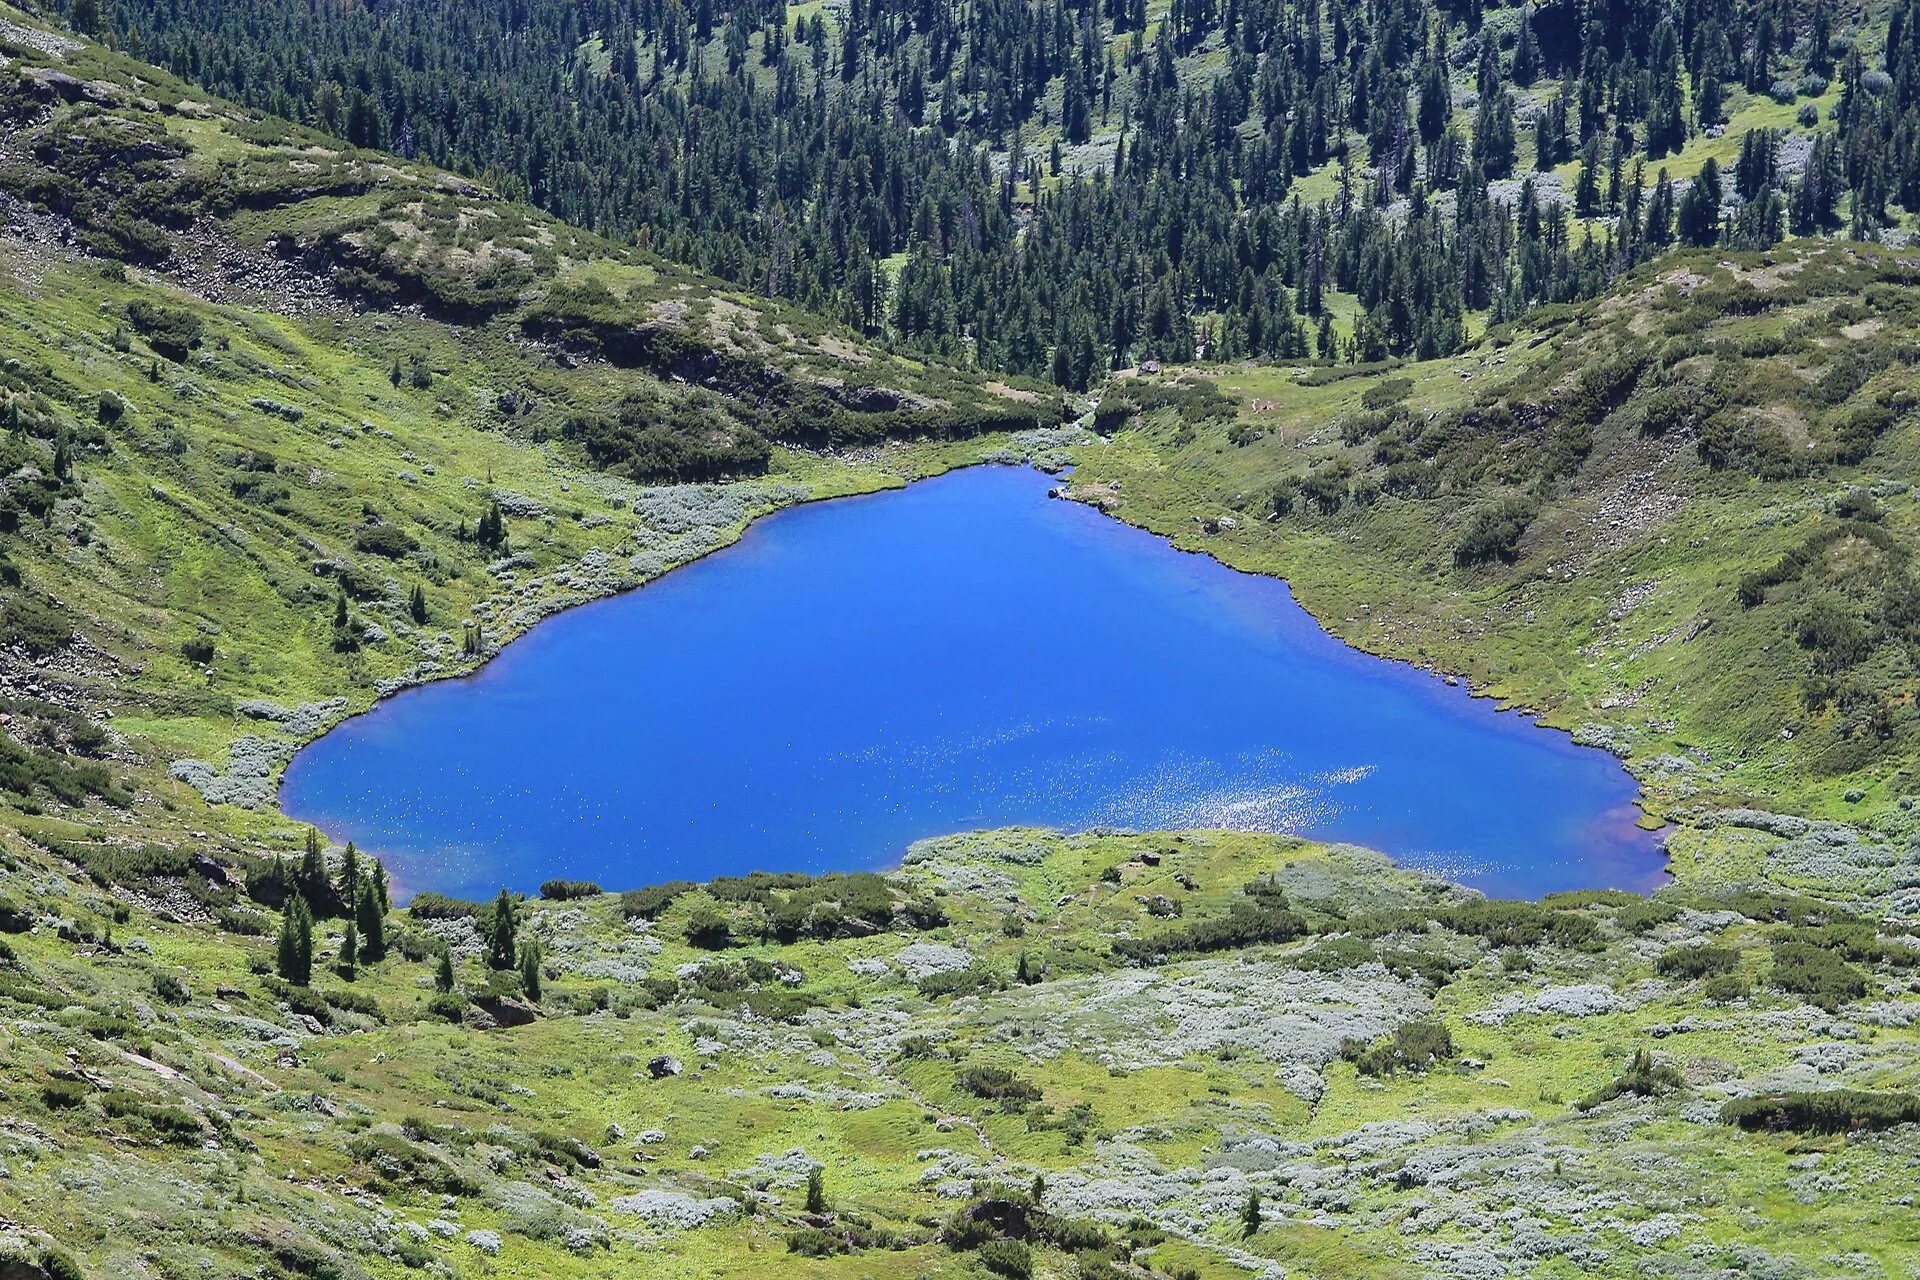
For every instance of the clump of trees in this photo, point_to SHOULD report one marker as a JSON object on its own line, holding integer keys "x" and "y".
{"x": 311, "y": 892}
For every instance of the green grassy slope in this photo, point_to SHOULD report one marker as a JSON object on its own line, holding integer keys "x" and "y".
{"x": 1679, "y": 521}
{"x": 209, "y": 447}
{"x": 249, "y": 376}
{"x": 173, "y": 1112}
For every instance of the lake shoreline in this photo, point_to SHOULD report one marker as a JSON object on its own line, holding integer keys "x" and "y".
{"x": 1417, "y": 846}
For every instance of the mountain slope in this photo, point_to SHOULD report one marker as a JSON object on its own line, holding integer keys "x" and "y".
{"x": 1060, "y": 188}
{"x": 1679, "y": 520}
{"x": 297, "y": 424}
{"x": 258, "y": 388}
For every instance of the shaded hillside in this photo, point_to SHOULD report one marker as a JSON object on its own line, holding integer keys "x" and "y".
{"x": 1060, "y": 187}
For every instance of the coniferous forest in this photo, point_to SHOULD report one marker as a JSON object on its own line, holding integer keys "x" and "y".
{"x": 1057, "y": 189}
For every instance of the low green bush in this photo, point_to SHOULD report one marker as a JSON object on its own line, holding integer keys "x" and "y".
{"x": 1414, "y": 1046}
{"x": 1818, "y": 975}
{"x": 564, "y": 890}
{"x": 971, "y": 980}
{"x": 997, "y": 1084}
{"x": 648, "y": 903}
{"x": 1832, "y": 1111}
{"x": 1643, "y": 1078}
{"x": 1696, "y": 962}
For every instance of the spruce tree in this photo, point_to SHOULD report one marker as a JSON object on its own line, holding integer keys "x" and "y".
{"x": 501, "y": 931}
{"x": 371, "y": 921}
{"x": 417, "y": 604}
{"x": 348, "y": 887}
{"x": 443, "y": 973}
{"x": 1250, "y": 1215}
{"x": 312, "y": 881}
{"x": 293, "y": 955}
{"x": 350, "y": 952}
{"x": 1698, "y": 219}
{"x": 530, "y": 968}
{"x": 816, "y": 1190}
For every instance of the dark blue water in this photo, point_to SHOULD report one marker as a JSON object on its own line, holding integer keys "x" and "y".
{"x": 964, "y": 653}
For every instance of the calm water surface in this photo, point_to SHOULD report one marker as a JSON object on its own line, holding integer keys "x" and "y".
{"x": 964, "y": 653}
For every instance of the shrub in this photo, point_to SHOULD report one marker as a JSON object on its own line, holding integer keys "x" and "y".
{"x": 1250, "y": 920}
{"x": 998, "y": 1084}
{"x": 63, "y": 1095}
{"x": 971, "y": 980}
{"x": 648, "y": 903}
{"x": 1643, "y": 916}
{"x": 1008, "y": 1258}
{"x": 171, "y": 331}
{"x": 1643, "y": 1078}
{"x": 1414, "y": 1046}
{"x": 1696, "y": 962}
{"x": 448, "y": 1005}
{"x": 1386, "y": 392}
{"x": 60, "y": 1265}
{"x": 437, "y": 906}
{"x": 679, "y": 441}
{"x": 1494, "y": 533}
{"x": 563, "y": 890}
{"x": 34, "y": 625}
{"x": 1725, "y": 989}
{"x": 395, "y": 1161}
{"x": 170, "y": 987}
{"x": 812, "y": 1242}
{"x": 708, "y": 929}
{"x": 1817, "y": 974}
{"x": 1832, "y": 1111}
{"x": 386, "y": 540}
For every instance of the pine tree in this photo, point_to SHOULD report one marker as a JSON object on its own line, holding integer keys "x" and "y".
{"x": 311, "y": 880}
{"x": 1666, "y": 105}
{"x": 350, "y": 952}
{"x": 1250, "y": 1215}
{"x": 530, "y": 968}
{"x": 345, "y": 638}
{"x": 417, "y": 604}
{"x": 1659, "y": 228}
{"x": 348, "y": 886}
{"x": 443, "y": 973}
{"x": 816, "y": 1190}
{"x": 1526, "y": 51}
{"x": 293, "y": 954}
{"x": 1698, "y": 219}
{"x": 502, "y": 929}
{"x": 371, "y": 920}
{"x": 1436, "y": 100}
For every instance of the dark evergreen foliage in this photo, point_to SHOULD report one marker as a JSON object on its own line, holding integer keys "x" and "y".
{"x": 1166, "y": 223}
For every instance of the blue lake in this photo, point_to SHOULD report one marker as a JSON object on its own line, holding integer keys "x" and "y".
{"x": 964, "y": 653}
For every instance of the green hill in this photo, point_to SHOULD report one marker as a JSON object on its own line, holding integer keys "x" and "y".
{"x": 289, "y": 424}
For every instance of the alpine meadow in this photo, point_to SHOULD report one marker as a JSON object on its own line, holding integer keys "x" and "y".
{"x": 507, "y": 631}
